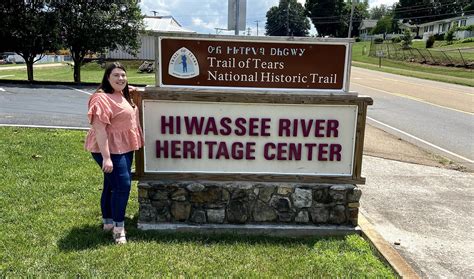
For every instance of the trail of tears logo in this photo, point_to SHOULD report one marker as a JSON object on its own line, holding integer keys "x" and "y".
{"x": 183, "y": 64}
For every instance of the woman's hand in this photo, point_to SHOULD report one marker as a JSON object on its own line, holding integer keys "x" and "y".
{"x": 107, "y": 165}
{"x": 132, "y": 89}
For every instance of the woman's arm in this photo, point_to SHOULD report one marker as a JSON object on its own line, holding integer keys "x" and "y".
{"x": 103, "y": 143}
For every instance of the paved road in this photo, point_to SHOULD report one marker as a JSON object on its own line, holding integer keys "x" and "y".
{"x": 440, "y": 114}
{"x": 44, "y": 105}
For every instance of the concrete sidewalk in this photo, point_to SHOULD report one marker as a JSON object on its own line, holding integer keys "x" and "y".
{"x": 421, "y": 204}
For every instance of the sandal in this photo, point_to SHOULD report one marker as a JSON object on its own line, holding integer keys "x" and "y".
{"x": 119, "y": 236}
{"x": 108, "y": 227}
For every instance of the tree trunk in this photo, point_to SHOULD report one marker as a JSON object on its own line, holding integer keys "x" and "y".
{"x": 29, "y": 60}
{"x": 77, "y": 57}
{"x": 29, "y": 69}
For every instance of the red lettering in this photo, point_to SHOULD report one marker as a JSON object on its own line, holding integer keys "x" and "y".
{"x": 306, "y": 127}
{"x": 239, "y": 123}
{"x": 175, "y": 149}
{"x": 295, "y": 127}
{"x": 249, "y": 151}
{"x": 332, "y": 127}
{"x": 265, "y": 127}
{"x": 319, "y": 127}
{"x": 163, "y": 149}
{"x": 167, "y": 124}
{"x": 193, "y": 126}
{"x": 310, "y": 147}
{"x": 237, "y": 151}
{"x": 211, "y": 126}
{"x": 335, "y": 151}
{"x": 225, "y": 130}
{"x": 281, "y": 150}
{"x": 253, "y": 126}
{"x": 266, "y": 151}
{"x": 294, "y": 153}
{"x": 322, "y": 150}
{"x": 222, "y": 151}
{"x": 188, "y": 148}
{"x": 284, "y": 127}
{"x": 210, "y": 145}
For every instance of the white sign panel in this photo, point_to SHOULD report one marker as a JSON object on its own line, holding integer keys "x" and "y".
{"x": 248, "y": 138}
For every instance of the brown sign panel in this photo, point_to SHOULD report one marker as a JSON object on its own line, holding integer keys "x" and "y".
{"x": 254, "y": 64}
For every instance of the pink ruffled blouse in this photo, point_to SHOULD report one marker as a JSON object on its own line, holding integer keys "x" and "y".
{"x": 123, "y": 129}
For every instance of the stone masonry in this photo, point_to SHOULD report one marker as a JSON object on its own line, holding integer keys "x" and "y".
{"x": 247, "y": 203}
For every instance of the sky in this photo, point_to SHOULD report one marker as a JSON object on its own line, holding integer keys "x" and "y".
{"x": 204, "y": 16}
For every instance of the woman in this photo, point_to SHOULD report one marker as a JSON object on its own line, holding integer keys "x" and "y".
{"x": 114, "y": 135}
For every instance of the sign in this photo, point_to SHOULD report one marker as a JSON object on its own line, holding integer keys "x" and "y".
{"x": 249, "y": 138}
{"x": 232, "y": 12}
{"x": 306, "y": 64}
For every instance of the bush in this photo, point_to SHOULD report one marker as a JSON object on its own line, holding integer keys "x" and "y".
{"x": 449, "y": 36}
{"x": 466, "y": 28}
{"x": 439, "y": 37}
{"x": 467, "y": 40}
{"x": 358, "y": 39}
{"x": 396, "y": 40}
{"x": 430, "y": 42}
{"x": 406, "y": 39}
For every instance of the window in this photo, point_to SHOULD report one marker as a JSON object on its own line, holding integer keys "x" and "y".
{"x": 431, "y": 28}
{"x": 462, "y": 22}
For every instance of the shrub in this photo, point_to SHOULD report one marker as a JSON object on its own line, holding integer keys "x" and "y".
{"x": 358, "y": 39}
{"x": 430, "y": 41}
{"x": 439, "y": 37}
{"x": 406, "y": 39}
{"x": 467, "y": 40}
{"x": 466, "y": 28}
{"x": 449, "y": 36}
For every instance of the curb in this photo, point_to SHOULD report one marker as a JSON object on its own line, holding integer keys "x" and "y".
{"x": 386, "y": 252}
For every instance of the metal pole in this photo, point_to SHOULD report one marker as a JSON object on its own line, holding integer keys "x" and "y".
{"x": 257, "y": 25}
{"x": 237, "y": 17}
{"x": 350, "y": 21}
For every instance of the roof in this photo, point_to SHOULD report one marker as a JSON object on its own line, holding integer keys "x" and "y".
{"x": 368, "y": 23}
{"x": 164, "y": 24}
{"x": 446, "y": 20}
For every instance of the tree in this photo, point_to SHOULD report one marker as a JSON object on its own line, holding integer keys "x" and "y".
{"x": 28, "y": 28}
{"x": 384, "y": 25}
{"x": 327, "y": 16}
{"x": 287, "y": 19}
{"x": 360, "y": 12}
{"x": 95, "y": 26}
{"x": 378, "y": 12}
{"x": 406, "y": 39}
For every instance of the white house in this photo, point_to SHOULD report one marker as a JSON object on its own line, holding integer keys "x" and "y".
{"x": 162, "y": 24}
{"x": 442, "y": 26}
{"x": 365, "y": 28}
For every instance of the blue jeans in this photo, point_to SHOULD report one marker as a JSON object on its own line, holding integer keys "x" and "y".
{"x": 116, "y": 191}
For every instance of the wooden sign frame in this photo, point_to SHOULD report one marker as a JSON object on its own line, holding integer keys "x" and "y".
{"x": 179, "y": 94}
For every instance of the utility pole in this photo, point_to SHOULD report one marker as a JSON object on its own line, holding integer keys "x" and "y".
{"x": 288, "y": 17}
{"x": 248, "y": 31}
{"x": 237, "y": 17}
{"x": 257, "y": 21}
{"x": 350, "y": 21}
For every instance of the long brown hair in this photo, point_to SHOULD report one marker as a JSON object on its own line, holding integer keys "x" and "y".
{"x": 107, "y": 87}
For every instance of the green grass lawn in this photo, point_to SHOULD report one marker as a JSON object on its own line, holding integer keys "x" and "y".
{"x": 50, "y": 227}
{"x": 91, "y": 72}
{"x": 360, "y": 58}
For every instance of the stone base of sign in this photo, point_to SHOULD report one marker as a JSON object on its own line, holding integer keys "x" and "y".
{"x": 246, "y": 203}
